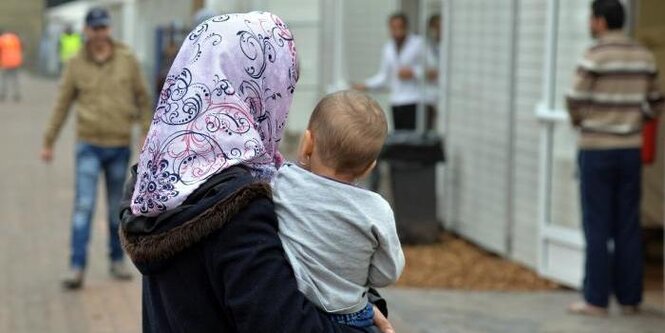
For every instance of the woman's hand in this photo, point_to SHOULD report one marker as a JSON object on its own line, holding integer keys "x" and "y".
{"x": 382, "y": 322}
{"x": 359, "y": 86}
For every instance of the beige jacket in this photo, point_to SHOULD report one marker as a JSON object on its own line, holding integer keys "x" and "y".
{"x": 109, "y": 98}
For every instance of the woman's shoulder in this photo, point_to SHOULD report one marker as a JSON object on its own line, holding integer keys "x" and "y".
{"x": 248, "y": 213}
{"x": 216, "y": 204}
{"x": 250, "y": 203}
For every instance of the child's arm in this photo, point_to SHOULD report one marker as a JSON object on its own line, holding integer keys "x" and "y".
{"x": 388, "y": 260}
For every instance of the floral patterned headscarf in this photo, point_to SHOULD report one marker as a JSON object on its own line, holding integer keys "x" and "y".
{"x": 224, "y": 103}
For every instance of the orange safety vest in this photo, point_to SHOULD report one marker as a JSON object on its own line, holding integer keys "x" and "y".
{"x": 11, "y": 54}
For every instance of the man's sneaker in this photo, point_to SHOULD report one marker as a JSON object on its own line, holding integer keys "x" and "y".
{"x": 73, "y": 280}
{"x": 586, "y": 309}
{"x": 119, "y": 271}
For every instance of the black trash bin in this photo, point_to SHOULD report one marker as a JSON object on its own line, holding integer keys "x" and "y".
{"x": 412, "y": 158}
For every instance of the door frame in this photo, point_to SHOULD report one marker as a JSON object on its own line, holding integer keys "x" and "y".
{"x": 555, "y": 242}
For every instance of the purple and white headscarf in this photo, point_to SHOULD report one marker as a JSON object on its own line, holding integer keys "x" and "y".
{"x": 224, "y": 103}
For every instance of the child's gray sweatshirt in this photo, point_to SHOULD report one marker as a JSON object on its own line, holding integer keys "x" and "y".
{"x": 340, "y": 239}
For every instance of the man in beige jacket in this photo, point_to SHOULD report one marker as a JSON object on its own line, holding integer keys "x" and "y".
{"x": 104, "y": 80}
{"x": 616, "y": 88}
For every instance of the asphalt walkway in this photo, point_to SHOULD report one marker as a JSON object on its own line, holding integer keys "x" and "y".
{"x": 439, "y": 311}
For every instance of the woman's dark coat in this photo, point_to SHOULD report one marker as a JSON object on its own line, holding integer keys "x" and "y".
{"x": 216, "y": 263}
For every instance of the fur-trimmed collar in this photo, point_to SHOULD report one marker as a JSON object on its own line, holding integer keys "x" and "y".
{"x": 144, "y": 248}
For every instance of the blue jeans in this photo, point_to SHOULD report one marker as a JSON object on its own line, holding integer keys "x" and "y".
{"x": 610, "y": 193}
{"x": 9, "y": 82}
{"x": 90, "y": 162}
{"x": 362, "y": 318}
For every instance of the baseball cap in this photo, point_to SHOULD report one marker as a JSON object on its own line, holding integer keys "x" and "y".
{"x": 98, "y": 17}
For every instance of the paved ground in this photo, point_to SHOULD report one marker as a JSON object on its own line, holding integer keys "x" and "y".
{"x": 35, "y": 205}
{"x": 437, "y": 311}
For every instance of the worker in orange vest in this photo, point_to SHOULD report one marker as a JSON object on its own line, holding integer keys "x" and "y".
{"x": 11, "y": 59}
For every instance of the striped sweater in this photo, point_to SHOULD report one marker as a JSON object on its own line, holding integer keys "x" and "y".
{"x": 615, "y": 90}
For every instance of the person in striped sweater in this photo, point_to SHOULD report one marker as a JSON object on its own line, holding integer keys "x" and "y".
{"x": 615, "y": 91}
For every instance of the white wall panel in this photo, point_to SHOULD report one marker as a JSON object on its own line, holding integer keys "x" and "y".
{"x": 480, "y": 121}
{"x": 479, "y": 85}
{"x": 531, "y": 35}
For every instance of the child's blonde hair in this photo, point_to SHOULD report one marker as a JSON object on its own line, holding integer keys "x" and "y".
{"x": 349, "y": 129}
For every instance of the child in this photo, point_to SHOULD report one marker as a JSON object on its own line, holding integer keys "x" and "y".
{"x": 339, "y": 238}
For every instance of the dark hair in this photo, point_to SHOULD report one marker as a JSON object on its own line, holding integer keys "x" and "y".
{"x": 349, "y": 129}
{"x": 399, "y": 16}
{"x": 611, "y": 10}
{"x": 433, "y": 19}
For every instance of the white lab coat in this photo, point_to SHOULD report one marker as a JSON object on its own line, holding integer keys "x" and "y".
{"x": 402, "y": 92}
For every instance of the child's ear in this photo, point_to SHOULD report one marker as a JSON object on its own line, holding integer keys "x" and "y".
{"x": 368, "y": 170}
{"x": 306, "y": 148}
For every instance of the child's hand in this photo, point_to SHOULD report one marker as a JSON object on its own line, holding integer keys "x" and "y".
{"x": 382, "y": 322}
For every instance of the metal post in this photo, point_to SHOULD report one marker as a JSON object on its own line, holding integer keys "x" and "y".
{"x": 510, "y": 149}
{"x": 551, "y": 54}
{"x": 325, "y": 24}
{"x": 339, "y": 64}
{"x": 444, "y": 107}
{"x": 421, "y": 125}
{"x": 128, "y": 22}
{"x": 444, "y": 64}
{"x": 546, "y": 140}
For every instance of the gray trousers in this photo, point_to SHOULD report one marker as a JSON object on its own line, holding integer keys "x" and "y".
{"x": 10, "y": 82}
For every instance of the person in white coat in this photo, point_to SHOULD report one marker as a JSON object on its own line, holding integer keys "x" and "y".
{"x": 401, "y": 71}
